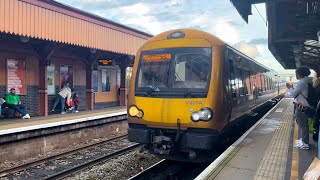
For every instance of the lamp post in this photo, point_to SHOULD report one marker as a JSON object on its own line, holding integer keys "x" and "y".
{"x": 278, "y": 85}
{"x": 277, "y": 82}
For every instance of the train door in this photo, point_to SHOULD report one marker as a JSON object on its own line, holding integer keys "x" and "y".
{"x": 227, "y": 73}
{"x": 232, "y": 85}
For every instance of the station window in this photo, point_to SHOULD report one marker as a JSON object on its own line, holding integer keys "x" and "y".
{"x": 51, "y": 85}
{"x": 105, "y": 80}
{"x": 95, "y": 81}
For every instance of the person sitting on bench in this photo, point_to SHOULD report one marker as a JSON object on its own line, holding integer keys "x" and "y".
{"x": 13, "y": 102}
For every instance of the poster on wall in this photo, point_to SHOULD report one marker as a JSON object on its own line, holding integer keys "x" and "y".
{"x": 16, "y": 75}
{"x": 66, "y": 75}
{"x": 95, "y": 81}
{"x": 106, "y": 76}
{"x": 51, "y": 86}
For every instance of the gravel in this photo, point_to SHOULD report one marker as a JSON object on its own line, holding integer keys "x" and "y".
{"x": 9, "y": 164}
{"x": 122, "y": 167}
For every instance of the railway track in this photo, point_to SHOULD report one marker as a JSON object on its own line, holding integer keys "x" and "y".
{"x": 67, "y": 163}
{"x": 166, "y": 169}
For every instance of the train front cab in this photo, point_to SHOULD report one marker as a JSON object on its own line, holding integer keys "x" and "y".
{"x": 171, "y": 106}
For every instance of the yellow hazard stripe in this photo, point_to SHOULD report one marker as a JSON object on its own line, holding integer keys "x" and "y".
{"x": 295, "y": 156}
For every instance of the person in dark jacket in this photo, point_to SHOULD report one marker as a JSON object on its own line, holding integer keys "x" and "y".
{"x": 316, "y": 117}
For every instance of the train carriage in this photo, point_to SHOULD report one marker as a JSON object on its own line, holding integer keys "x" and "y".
{"x": 186, "y": 86}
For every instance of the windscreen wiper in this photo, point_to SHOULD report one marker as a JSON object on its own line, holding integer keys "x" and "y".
{"x": 187, "y": 92}
{"x": 154, "y": 88}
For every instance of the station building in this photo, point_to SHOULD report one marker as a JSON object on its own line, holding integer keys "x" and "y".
{"x": 44, "y": 44}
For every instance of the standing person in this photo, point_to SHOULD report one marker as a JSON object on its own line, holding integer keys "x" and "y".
{"x": 316, "y": 117}
{"x": 76, "y": 102}
{"x": 108, "y": 84}
{"x": 13, "y": 101}
{"x": 300, "y": 95}
{"x": 64, "y": 93}
{"x": 255, "y": 93}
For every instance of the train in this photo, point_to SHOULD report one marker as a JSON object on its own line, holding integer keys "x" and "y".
{"x": 186, "y": 87}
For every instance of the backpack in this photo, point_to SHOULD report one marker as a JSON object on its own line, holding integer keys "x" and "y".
{"x": 312, "y": 96}
{"x": 312, "y": 101}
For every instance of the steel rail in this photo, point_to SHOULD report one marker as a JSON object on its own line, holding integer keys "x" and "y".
{"x": 75, "y": 169}
{"x": 57, "y": 156}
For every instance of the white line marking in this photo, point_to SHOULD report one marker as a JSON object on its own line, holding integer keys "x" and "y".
{"x": 208, "y": 171}
{"x": 59, "y": 123}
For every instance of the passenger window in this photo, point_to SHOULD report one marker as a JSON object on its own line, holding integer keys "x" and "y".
{"x": 239, "y": 81}
{"x": 232, "y": 80}
{"x": 246, "y": 82}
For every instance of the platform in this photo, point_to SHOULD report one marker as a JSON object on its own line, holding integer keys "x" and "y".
{"x": 11, "y": 129}
{"x": 265, "y": 151}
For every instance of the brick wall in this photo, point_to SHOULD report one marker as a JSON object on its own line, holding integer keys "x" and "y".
{"x": 51, "y": 99}
{"x": 2, "y": 91}
{"x": 81, "y": 90}
{"x": 32, "y": 100}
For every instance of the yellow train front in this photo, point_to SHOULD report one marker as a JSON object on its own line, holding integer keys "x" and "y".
{"x": 180, "y": 95}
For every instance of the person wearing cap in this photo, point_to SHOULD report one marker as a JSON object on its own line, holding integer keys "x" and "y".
{"x": 13, "y": 102}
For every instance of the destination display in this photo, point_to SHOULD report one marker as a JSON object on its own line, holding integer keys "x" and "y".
{"x": 157, "y": 57}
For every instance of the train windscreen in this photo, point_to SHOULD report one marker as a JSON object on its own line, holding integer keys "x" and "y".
{"x": 174, "y": 72}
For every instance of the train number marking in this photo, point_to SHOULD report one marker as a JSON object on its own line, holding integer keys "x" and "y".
{"x": 193, "y": 102}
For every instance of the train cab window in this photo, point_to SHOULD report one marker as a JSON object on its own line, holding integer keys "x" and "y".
{"x": 174, "y": 71}
{"x": 154, "y": 73}
{"x": 193, "y": 70}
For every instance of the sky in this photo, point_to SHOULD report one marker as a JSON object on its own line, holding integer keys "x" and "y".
{"x": 217, "y": 17}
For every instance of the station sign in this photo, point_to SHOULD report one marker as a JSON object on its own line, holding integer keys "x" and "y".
{"x": 105, "y": 62}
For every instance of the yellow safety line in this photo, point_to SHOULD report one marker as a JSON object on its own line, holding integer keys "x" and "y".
{"x": 295, "y": 156}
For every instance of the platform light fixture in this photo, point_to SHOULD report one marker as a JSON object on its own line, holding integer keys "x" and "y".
{"x": 24, "y": 39}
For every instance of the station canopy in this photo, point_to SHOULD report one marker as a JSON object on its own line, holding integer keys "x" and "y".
{"x": 52, "y": 21}
{"x": 293, "y": 30}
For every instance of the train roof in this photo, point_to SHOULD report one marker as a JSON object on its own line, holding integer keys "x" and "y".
{"x": 192, "y": 33}
{"x": 249, "y": 58}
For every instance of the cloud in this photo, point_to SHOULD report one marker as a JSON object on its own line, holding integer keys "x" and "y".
{"x": 219, "y": 18}
{"x": 248, "y": 49}
{"x": 259, "y": 41}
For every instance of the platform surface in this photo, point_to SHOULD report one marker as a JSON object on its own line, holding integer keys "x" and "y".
{"x": 266, "y": 152}
{"x": 8, "y": 126}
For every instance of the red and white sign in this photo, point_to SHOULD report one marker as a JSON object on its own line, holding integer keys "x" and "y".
{"x": 16, "y": 75}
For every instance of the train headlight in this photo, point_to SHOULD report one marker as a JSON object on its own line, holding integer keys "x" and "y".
{"x": 135, "y": 112}
{"x": 205, "y": 114}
